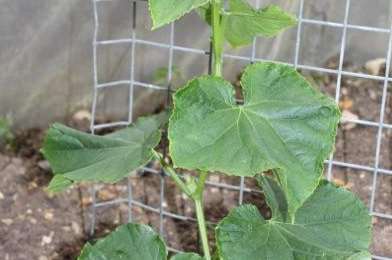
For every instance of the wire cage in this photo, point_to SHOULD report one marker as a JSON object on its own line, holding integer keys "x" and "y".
{"x": 375, "y": 170}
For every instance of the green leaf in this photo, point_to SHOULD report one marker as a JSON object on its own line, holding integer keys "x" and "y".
{"x": 78, "y": 156}
{"x": 130, "y": 242}
{"x": 284, "y": 124}
{"x": 187, "y": 256}
{"x": 275, "y": 197}
{"x": 205, "y": 13}
{"x": 243, "y": 22}
{"x": 332, "y": 224}
{"x": 335, "y": 218}
{"x": 167, "y": 11}
{"x": 59, "y": 183}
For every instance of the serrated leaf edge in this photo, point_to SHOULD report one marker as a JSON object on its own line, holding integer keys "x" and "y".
{"x": 173, "y": 113}
{"x": 157, "y": 25}
{"x": 294, "y": 22}
{"x": 272, "y": 221}
{"x": 57, "y": 126}
{"x": 320, "y": 159}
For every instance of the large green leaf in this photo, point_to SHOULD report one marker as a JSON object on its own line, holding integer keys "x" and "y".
{"x": 78, "y": 156}
{"x": 127, "y": 242}
{"x": 187, "y": 256}
{"x": 167, "y": 11}
{"x": 243, "y": 22}
{"x": 332, "y": 224}
{"x": 284, "y": 124}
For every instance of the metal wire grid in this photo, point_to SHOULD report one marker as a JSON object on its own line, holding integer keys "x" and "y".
{"x": 171, "y": 47}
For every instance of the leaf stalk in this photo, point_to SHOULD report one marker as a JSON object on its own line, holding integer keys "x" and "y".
{"x": 172, "y": 173}
{"x": 217, "y": 36}
{"x": 196, "y": 194}
{"x": 198, "y": 199}
{"x": 202, "y": 227}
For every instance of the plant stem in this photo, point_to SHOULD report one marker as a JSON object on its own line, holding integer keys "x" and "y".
{"x": 198, "y": 199}
{"x": 217, "y": 46}
{"x": 172, "y": 173}
{"x": 217, "y": 36}
{"x": 202, "y": 227}
{"x": 201, "y": 183}
{"x": 180, "y": 183}
{"x": 195, "y": 194}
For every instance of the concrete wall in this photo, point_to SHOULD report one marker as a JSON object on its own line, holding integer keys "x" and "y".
{"x": 46, "y": 52}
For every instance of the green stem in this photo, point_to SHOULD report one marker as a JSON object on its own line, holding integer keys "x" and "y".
{"x": 217, "y": 36}
{"x": 198, "y": 199}
{"x": 202, "y": 228}
{"x": 195, "y": 194}
{"x": 201, "y": 183}
{"x": 201, "y": 220}
{"x": 172, "y": 173}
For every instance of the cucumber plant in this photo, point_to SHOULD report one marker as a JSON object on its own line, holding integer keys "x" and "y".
{"x": 281, "y": 134}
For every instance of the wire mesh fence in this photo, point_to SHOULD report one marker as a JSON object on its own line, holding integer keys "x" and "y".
{"x": 380, "y": 125}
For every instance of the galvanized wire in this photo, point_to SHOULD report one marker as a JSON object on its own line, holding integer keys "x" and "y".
{"x": 133, "y": 41}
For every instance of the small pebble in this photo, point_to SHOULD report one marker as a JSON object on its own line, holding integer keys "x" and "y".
{"x": 7, "y": 221}
{"x": 46, "y": 240}
{"x": 48, "y": 215}
{"x": 76, "y": 228}
{"x": 44, "y": 165}
{"x": 66, "y": 229}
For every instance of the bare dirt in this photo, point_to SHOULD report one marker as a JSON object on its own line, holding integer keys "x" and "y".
{"x": 37, "y": 225}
